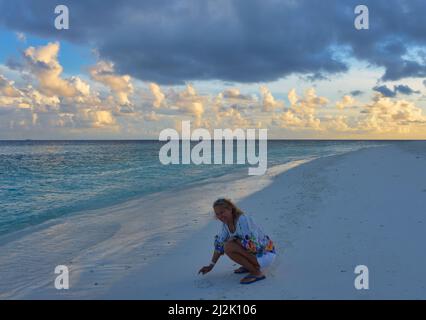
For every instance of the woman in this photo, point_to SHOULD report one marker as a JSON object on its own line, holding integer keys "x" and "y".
{"x": 242, "y": 241}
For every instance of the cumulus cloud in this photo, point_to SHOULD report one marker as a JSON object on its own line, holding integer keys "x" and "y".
{"x": 52, "y": 101}
{"x": 7, "y": 88}
{"x": 346, "y": 101}
{"x": 268, "y": 101}
{"x": 40, "y": 102}
{"x": 386, "y": 115}
{"x": 309, "y": 103}
{"x": 75, "y": 104}
{"x": 382, "y": 115}
{"x": 339, "y": 124}
{"x": 302, "y": 113}
{"x": 292, "y": 97}
{"x": 159, "y": 96}
{"x": 235, "y": 94}
{"x": 188, "y": 102}
{"x": 152, "y": 116}
{"x": 231, "y": 118}
{"x": 43, "y": 63}
{"x": 120, "y": 85}
{"x": 233, "y": 98}
{"x": 99, "y": 118}
{"x": 194, "y": 108}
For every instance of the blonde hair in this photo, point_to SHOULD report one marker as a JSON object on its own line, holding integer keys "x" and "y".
{"x": 227, "y": 203}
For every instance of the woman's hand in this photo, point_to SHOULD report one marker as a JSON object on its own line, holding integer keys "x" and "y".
{"x": 206, "y": 269}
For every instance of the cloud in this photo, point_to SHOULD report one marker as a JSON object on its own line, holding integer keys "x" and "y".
{"x": 47, "y": 100}
{"x": 346, "y": 101}
{"x": 403, "y": 89}
{"x": 194, "y": 108}
{"x": 159, "y": 96}
{"x": 21, "y": 37}
{"x": 43, "y": 63}
{"x": 309, "y": 103}
{"x": 120, "y": 85}
{"x": 152, "y": 116}
{"x": 269, "y": 103}
{"x": 39, "y": 102}
{"x": 338, "y": 124}
{"x": 356, "y": 93}
{"x": 385, "y": 115}
{"x": 7, "y": 88}
{"x": 233, "y": 98}
{"x": 239, "y": 41}
{"x": 188, "y": 102}
{"x": 33, "y": 103}
{"x": 292, "y": 97}
{"x": 234, "y": 93}
{"x": 229, "y": 117}
{"x": 302, "y": 113}
{"x": 100, "y": 118}
{"x": 385, "y": 91}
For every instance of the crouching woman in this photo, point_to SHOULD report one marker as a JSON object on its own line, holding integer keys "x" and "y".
{"x": 242, "y": 241}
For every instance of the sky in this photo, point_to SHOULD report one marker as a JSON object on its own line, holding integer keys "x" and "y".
{"x": 129, "y": 69}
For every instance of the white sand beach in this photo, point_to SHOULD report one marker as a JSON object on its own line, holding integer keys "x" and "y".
{"x": 325, "y": 215}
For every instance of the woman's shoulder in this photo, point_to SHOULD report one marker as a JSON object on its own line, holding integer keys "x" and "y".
{"x": 247, "y": 219}
{"x": 244, "y": 218}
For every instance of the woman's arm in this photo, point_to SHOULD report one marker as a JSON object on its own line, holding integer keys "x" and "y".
{"x": 215, "y": 258}
{"x": 219, "y": 241}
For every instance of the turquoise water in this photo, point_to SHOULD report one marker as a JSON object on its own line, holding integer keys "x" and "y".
{"x": 41, "y": 180}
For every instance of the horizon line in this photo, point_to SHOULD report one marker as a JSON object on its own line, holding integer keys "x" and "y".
{"x": 271, "y": 139}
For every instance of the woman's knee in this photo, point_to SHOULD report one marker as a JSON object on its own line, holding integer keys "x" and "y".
{"x": 229, "y": 246}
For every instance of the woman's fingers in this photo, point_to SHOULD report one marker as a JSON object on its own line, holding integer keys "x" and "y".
{"x": 204, "y": 270}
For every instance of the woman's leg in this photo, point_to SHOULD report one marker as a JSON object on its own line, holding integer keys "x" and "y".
{"x": 235, "y": 251}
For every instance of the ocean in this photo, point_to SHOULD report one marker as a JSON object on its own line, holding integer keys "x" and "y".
{"x": 41, "y": 180}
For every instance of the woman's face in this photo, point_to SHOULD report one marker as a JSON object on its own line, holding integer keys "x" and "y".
{"x": 223, "y": 214}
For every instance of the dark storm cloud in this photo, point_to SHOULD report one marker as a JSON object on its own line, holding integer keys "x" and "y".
{"x": 384, "y": 90}
{"x": 238, "y": 41}
{"x": 357, "y": 93}
{"x": 403, "y": 89}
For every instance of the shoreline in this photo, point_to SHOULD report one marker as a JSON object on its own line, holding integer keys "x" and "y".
{"x": 104, "y": 232}
{"x": 325, "y": 221}
{"x": 321, "y": 214}
{"x": 238, "y": 174}
{"x": 16, "y": 219}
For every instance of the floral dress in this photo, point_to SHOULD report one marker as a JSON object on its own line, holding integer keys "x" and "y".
{"x": 251, "y": 236}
